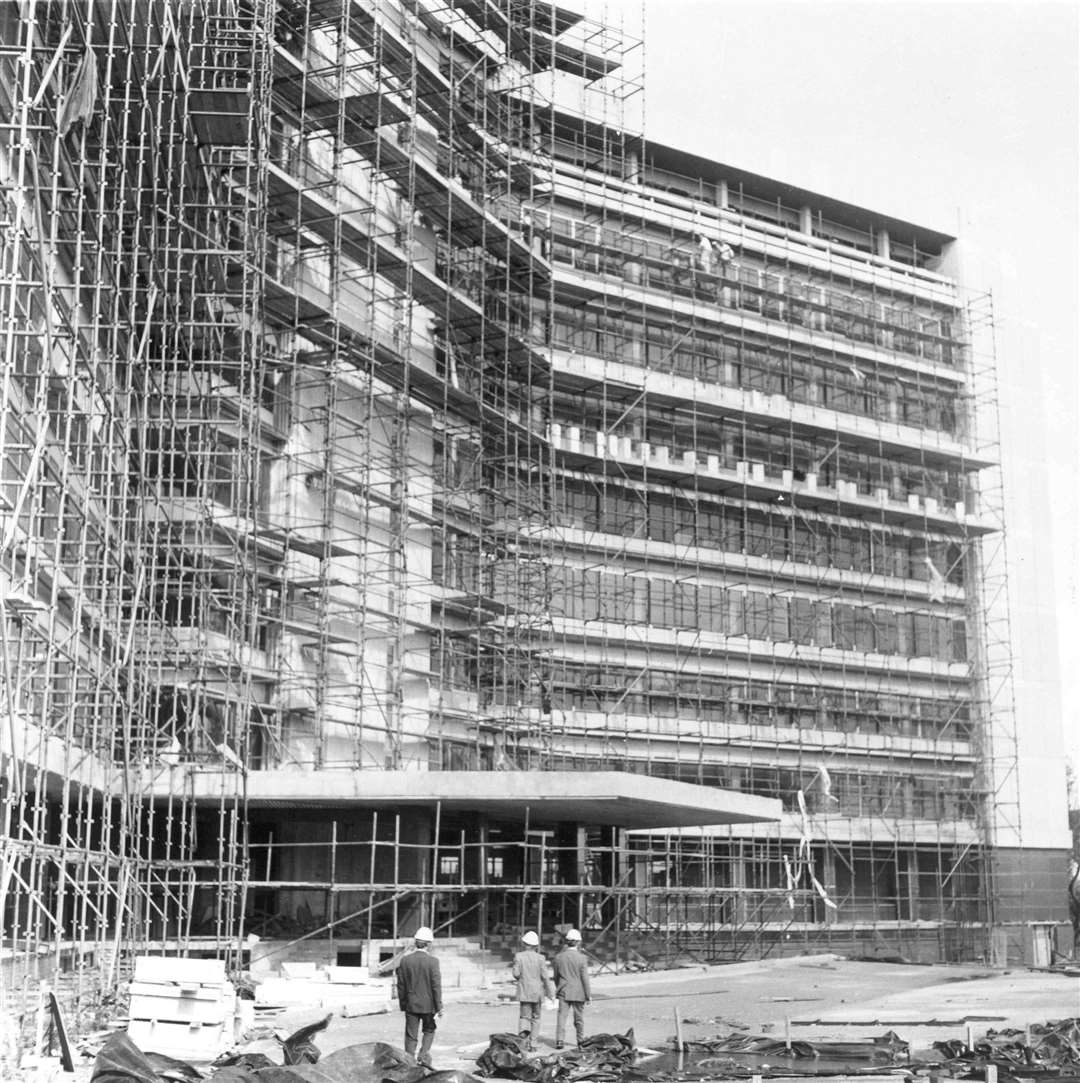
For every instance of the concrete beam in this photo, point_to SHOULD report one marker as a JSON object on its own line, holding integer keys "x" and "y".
{"x": 617, "y": 798}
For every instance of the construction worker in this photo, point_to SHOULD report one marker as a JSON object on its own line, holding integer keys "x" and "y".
{"x": 571, "y": 987}
{"x": 419, "y": 985}
{"x": 533, "y": 984}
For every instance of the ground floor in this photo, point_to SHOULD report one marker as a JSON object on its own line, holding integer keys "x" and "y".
{"x": 655, "y": 873}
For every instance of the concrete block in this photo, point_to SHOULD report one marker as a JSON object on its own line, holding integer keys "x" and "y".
{"x": 162, "y": 968}
{"x": 299, "y": 970}
{"x": 185, "y": 1041}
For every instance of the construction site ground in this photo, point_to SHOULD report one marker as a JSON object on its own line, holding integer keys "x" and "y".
{"x": 840, "y": 999}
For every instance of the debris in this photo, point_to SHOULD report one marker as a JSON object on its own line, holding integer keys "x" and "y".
{"x": 1051, "y": 1048}
{"x": 599, "y": 1056}
{"x": 887, "y": 1048}
{"x": 299, "y": 1047}
{"x": 958, "y": 1022}
{"x": 122, "y": 1061}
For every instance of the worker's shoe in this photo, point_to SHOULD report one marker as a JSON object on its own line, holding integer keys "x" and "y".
{"x": 559, "y": 1045}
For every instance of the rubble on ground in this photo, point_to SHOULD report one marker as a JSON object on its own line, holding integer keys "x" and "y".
{"x": 1040, "y": 1053}
{"x": 598, "y": 1057}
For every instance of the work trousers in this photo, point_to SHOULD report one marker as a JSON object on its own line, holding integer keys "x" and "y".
{"x": 529, "y": 1020}
{"x": 413, "y": 1024}
{"x": 579, "y": 1019}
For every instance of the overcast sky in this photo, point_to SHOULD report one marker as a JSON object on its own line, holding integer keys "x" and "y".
{"x": 957, "y": 115}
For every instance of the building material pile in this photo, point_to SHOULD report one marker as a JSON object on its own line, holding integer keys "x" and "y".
{"x": 182, "y": 1007}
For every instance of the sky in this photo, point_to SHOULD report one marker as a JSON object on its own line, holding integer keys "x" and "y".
{"x": 962, "y": 116}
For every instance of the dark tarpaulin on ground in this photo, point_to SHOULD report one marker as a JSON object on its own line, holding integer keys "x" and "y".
{"x": 599, "y": 1057}
{"x": 120, "y": 1060}
{"x": 367, "y": 1062}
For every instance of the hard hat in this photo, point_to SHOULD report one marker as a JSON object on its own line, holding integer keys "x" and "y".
{"x": 423, "y": 934}
{"x": 573, "y": 936}
{"x": 531, "y": 939}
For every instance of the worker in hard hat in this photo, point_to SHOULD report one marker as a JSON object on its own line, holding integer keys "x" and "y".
{"x": 571, "y": 986}
{"x": 533, "y": 984}
{"x": 419, "y": 987}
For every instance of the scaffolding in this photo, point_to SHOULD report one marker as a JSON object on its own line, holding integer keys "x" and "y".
{"x": 377, "y": 398}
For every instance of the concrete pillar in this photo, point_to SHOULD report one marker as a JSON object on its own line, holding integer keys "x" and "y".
{"x": 738, "y": 881}
{"x": 806, "y": 220}
{"x": 721, "y": 193}
{"x": 881, "y": 243}
{"x": 632, "y": 167}
{"x": 729, "y": 451}
{"x": 909, "y": 861}
{"x": 828, "y": 882}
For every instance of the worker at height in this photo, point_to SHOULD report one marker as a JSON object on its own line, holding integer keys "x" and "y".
{"x": 533, "y": 985}
{"x": 571, "y": 987}
{"x": 419, "y": 986}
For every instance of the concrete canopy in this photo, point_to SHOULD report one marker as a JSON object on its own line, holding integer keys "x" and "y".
{"x": 617, "y": 798}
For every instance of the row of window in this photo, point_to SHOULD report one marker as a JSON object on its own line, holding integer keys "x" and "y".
{"x": 544, "y": 591}
{"x": 807, "y": 377}
{"x": 802, "y": 297}
{"x": 735, "y": 440}
{"x": 460, "y": 662}
{"x": 659, "y": 516}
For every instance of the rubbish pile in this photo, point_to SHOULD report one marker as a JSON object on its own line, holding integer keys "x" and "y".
{"x": 598, "y": 1057}
{"x": 1047, "y": 1051}
{"x": 120, "y": 1061}
{"x": 888, "y": 1048}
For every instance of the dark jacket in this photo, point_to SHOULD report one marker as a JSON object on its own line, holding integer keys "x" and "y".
{"x": 530, "y": 971}
{"x": 419, "y": 984}
{"x": 571, "y": 975}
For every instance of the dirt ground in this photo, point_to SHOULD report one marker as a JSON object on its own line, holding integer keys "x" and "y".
{"x": 811, "y": 997}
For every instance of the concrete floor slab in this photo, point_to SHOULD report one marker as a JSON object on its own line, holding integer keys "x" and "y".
{"x": 761, "y": 997}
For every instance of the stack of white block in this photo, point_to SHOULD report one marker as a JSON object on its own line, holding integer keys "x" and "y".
{"x": 184, "y": 1008}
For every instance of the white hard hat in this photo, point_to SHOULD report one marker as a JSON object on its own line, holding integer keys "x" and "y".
{"x": 573, "y": 935}
{"x": 424, "y": 934}
{"x": 531, "y": 939}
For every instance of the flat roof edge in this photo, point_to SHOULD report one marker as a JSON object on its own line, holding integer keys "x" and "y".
{"x": 619, "y": 798}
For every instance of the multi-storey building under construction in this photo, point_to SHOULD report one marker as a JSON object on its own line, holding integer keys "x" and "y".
{"x": 426, "y": 500}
